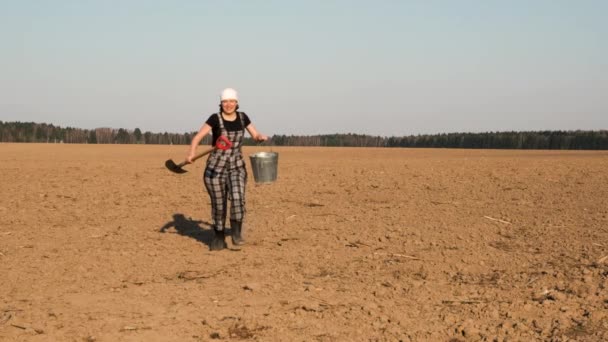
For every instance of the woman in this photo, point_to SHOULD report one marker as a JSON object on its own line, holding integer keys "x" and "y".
{"x": 225, "y": 174}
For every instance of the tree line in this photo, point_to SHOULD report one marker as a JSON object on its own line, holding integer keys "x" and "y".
{"x": 48, "y": 133}
{"x": 553, "y": 140}
{"x": 546, "y": 140}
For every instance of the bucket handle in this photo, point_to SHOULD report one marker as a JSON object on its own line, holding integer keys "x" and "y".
{"x": 260, "y": 143}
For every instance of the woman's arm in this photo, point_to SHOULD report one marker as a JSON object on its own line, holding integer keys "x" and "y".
{"x": 255, "y": 134}
{"x": 205, "y": 129}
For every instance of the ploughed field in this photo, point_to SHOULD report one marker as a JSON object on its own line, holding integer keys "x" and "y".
{"x": 102, "y": 243}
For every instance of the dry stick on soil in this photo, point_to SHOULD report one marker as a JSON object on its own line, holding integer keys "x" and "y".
{"x": 193, "y": 275}
{"x": 322, "y": 301}
{"x": 601, "y": 260}
{"x": 406, "y": 256}
{"x": 532, "y": 280}
{"x": 356, "y": 244}
{"x": 131, "y": 328}
{"x": 437, "y": 202}
{"x": 473, "y": 301}
{"x": 5, "y": 319}
{"x": 598, "y": 244}
{"x": 399, "y": 255}
{"x": 280, "y": 243}
{"x": 495, "y": 219}
{"x": 333, "y": 214}
{"x": 462, "y": 301}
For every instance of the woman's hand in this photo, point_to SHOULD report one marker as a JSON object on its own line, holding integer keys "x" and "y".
{"x": 255, "y": 135}
{"x": 261, "y": 137}
{"x": 190, "y": 157}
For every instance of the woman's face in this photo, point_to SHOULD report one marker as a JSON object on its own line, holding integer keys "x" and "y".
{"x": 229, "y": 106}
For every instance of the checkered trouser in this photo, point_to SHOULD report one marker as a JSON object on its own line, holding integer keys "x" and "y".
{"x": 224, "y": 185}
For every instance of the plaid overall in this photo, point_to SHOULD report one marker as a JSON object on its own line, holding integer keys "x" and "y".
{"x": 225, "y": 177}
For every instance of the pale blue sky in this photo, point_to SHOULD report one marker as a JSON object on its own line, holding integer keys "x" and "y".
{"x": 308, "y": 67}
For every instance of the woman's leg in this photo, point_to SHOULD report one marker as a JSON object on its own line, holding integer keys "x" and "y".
{"x": 217, "y": 189}
{"x": 237, "y": 180}
{"x": 216, "y": 184}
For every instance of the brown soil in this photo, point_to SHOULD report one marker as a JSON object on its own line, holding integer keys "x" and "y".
{"x": 102, "y": 243}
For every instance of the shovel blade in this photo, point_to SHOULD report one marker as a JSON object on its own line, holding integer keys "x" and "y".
{"x": 170, "y": 164}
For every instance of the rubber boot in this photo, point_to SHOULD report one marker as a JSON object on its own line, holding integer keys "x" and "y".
{"x": 219, "y": 242}
{"x": 236, "y": 227}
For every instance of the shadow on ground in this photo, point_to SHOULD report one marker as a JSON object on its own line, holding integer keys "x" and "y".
{"x": 191, "y": 228}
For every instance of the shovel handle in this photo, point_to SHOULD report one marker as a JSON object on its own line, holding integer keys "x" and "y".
{"x": 222, "y": 143}
{"x": 204, "y": 153}
{"x": 198, "y": 156}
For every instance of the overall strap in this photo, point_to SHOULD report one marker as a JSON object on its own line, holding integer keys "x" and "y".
{"x": 221, "y": 121}
{"x": 240, "y": 114}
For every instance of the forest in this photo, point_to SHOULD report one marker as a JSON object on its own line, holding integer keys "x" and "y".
{"x": 23, "y": 132}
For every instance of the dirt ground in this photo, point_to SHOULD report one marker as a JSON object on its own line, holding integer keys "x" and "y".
{"x": 102, "y": 243}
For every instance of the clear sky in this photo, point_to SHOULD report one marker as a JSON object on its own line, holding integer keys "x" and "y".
{"x": 308, "y": 67}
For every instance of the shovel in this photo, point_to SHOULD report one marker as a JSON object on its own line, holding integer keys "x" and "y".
{"x": 222, "y": 143}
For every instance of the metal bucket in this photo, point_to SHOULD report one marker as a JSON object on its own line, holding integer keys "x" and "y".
{"x": 264, "y": 166}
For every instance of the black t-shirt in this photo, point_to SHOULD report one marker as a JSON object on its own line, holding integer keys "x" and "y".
{"x": 230, "y": 126}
